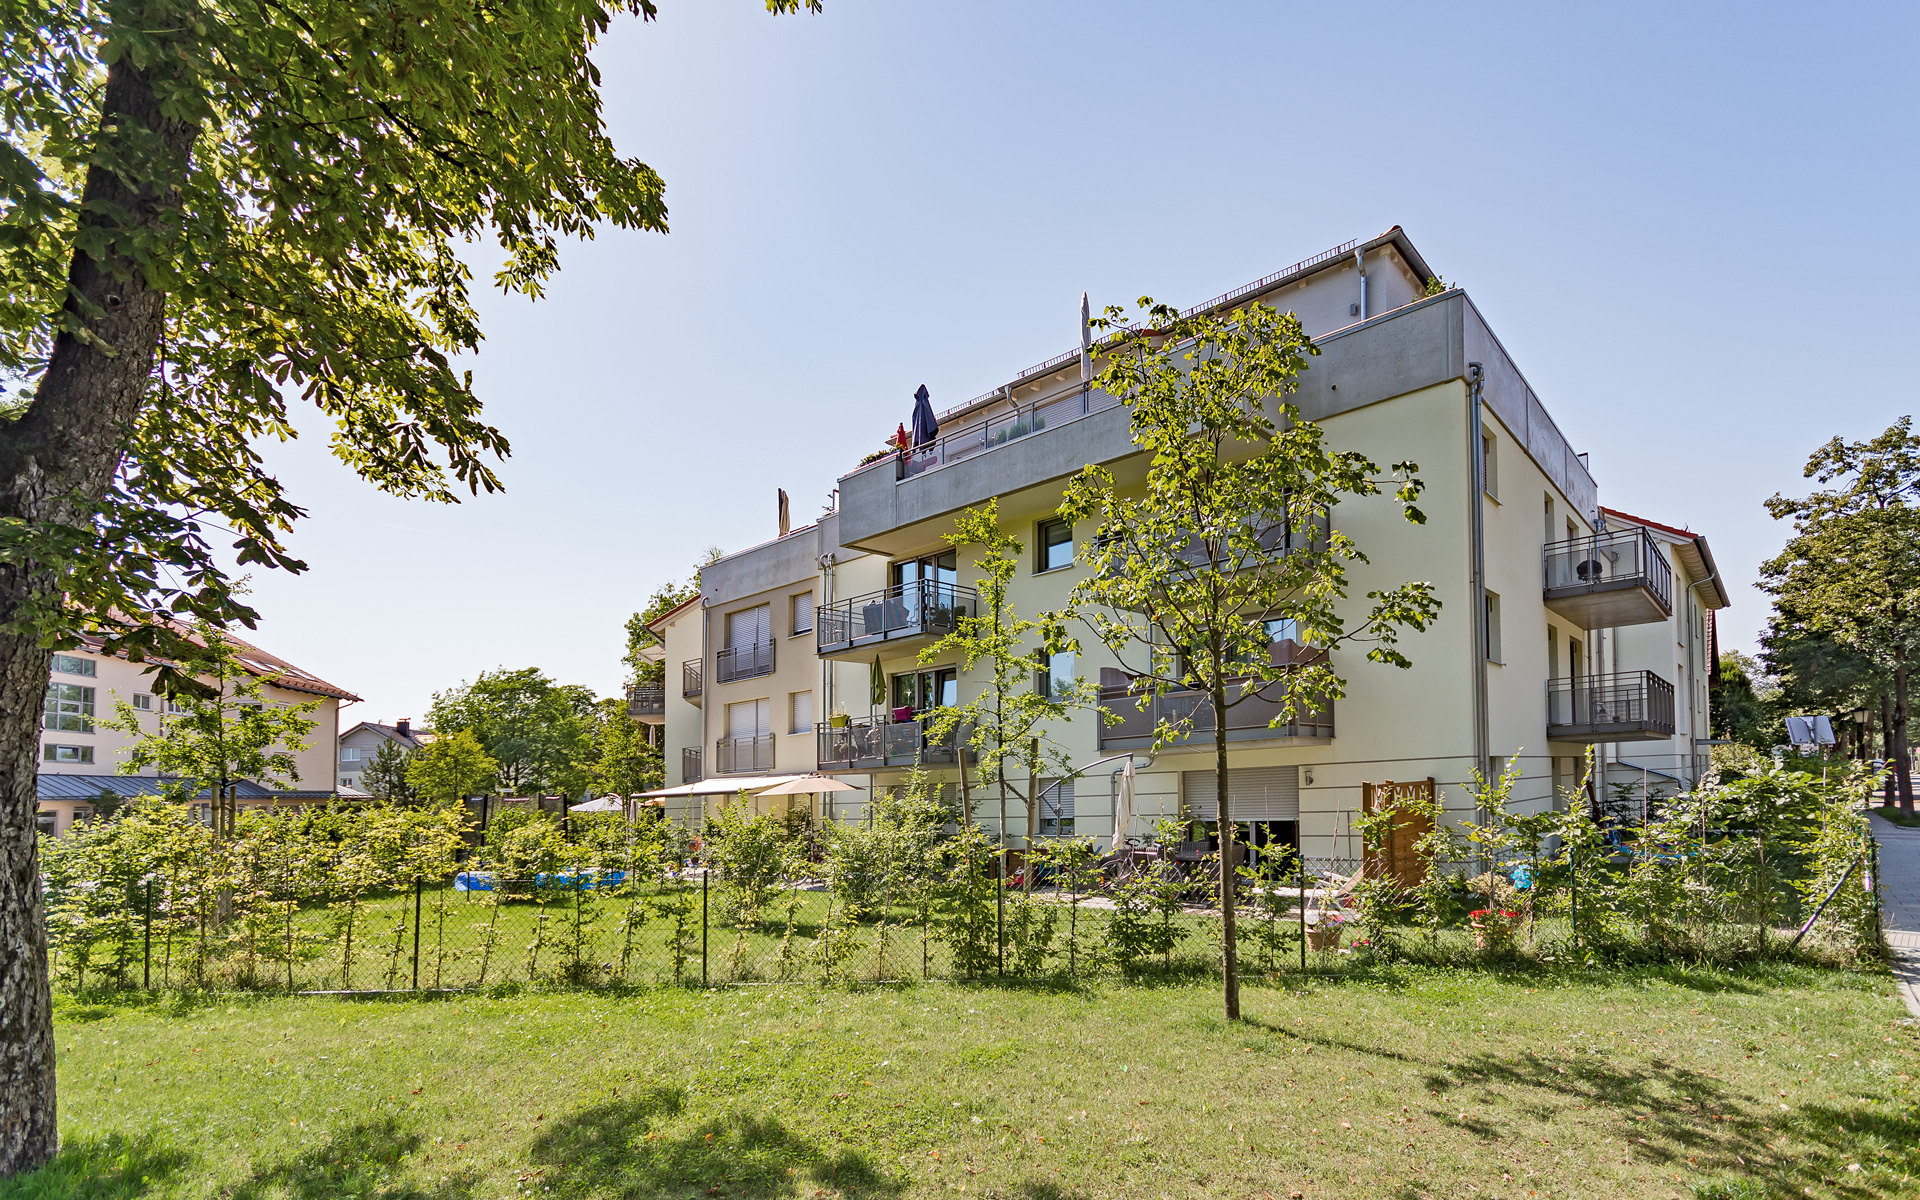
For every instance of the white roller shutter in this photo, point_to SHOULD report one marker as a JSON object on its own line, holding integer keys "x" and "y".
{"x": 752, "y": 719}
{"x": 1254, "y": 794}
{"x": 1056, "y": 802}
{"x": 750, "y": 627}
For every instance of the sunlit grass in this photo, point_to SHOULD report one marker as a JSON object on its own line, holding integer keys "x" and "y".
{"x": 1405, "y": 1081}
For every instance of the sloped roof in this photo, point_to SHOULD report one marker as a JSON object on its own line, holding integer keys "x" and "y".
{"x": 409, "y": 741}
{"x": 89, "y": 787}
{"x": 266, "y": 666}
{"x": 1694, "y": 555}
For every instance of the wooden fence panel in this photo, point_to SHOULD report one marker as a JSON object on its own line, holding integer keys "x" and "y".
{"x": 1397, "y": 857}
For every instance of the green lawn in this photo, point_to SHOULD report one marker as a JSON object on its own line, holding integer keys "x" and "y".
{"x": 1770, "y": 1081}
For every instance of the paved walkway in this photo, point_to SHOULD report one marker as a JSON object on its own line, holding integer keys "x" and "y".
{"x": 1900, "y": 904}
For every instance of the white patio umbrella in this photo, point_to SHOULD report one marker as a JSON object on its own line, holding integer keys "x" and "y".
{"x": 1123, "y": 806}
{"x": 604, "y": 804}
{"x": 807, "y": 785}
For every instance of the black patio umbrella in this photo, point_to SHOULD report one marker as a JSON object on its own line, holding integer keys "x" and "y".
{"x": 925, "y": 427}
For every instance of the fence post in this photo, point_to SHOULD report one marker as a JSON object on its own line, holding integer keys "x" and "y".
{"x": 1303, "y": 911}
{"x": 146, "y": 952}
{"x": 1000, "y": 913}
{"x": 703, "y": 926}
{"x": 416, "y": 933}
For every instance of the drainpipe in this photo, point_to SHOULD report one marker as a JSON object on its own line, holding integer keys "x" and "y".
{"x": 1477, "y": 519}
{"x": 1360, "y": 260}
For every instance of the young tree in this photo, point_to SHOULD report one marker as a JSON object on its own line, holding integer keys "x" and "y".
{"x": 450, "y": 768}
{"x": 1739, "y": 710}
{"x": 1851, "y": 570}
{"x": 224, "y": 733}
{"x": 206, "y": 212}
{"x": 1199, "y": 575}
{"x": 1008, "y": 721}
{"x": 627, "y": 762}
{"x": 386, "y": 775}
{"x": 665, "y": 598}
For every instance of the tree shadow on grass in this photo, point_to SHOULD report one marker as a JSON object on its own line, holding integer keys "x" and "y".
{"x": 360, "y": 1161}
{"x": 612, "y": 1150}
{"x": 109, "y": 1167}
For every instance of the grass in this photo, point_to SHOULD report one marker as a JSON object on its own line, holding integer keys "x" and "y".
{"x": 1769, "y": 1081}
{"x": 1894, "y": 814}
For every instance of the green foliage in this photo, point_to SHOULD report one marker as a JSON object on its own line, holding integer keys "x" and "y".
{"x": 450, "y": 768}
{"x": 965, "y": 901}
{"x": 535, "y": 729}
{"x": 1145, "y": 908}
{"x": 665, "y": 598}
{"x": 225, "y": 732}
{"x": 627, "y": 762}
{"x": 385, "y": 777}
{"x": 749, "y": 855}
{"x": 1736, "y": 709}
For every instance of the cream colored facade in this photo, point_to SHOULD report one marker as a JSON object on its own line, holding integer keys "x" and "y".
{"x": 1403, "y": 375}
{"x": 86, "y": 687}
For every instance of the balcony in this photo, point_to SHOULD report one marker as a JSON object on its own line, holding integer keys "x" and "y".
{"x": 900, "y": 618}
{"x": 1609, "y": 579}
{"x": 743, "y": 756}
{"x": 743, "y": 662}
{"x": 690, "y": 765}
{"x": 997, "y": 431}
{"x": 1636, "y": 706}
{"x": 1248, "y": 720}
{"x": 871, "y": 743}
{"x": 692, "y": 679}
{"x": 647, "y": 703}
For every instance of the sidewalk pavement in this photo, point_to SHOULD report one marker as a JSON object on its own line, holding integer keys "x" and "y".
{"x": 1900, "y": 904}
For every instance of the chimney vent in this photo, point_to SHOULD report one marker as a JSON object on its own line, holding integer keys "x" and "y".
{"x": 404, "y": 727}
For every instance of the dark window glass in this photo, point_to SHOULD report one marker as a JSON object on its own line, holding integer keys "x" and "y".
{"x": 923, "y": 690}
{"x": 1056, "y": 545}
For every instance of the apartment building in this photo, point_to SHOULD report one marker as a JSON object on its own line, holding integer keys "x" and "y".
{"x": 1564, "y": 625}
{"x": 79, "y": 757}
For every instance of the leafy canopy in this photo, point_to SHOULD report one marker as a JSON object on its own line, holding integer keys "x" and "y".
{"x": 535, "y": 729}
{"x": 319, "y": 167}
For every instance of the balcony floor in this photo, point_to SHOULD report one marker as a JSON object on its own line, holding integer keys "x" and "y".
{"x": 905, "y": 641}
{"x": 1611, "y": 731}
{"x": 1607, "y": 605}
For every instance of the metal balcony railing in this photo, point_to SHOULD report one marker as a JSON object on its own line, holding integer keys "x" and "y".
{"x": 894, "y": 614}
{"x": 647, "y": 700}
{"x": 869, "y": 742}
{"x": 1247, "y": 720}
{"x": 1583, "y": 574}
{"x": 742, "y": 756}
{"x": 690, "y": 765}
{"x": 1631, "y": 706}
{"x": 743, "y": 662}
{"x": 692, "y": 677}
{"x": 996, "y": 431}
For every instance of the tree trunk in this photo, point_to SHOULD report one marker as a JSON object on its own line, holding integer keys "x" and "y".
{"x": 1902, "y": 776}
{"x": 1229, "y": 938}
{"x": 56, "y": 462}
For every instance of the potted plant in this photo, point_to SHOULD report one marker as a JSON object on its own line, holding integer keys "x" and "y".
{"x": 1493, "y": 928}
{"x": 837, "y": 719}
{"x": 1323, "y": 930}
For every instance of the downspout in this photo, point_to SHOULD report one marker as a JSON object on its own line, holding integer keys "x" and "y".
{"x": 1360, "y": 260}
{"x": 1477, "y": 522}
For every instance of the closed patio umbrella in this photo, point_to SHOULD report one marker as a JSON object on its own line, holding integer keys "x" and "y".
{"x": 925, "y": 426}
{"x": 1123, "y": 806}
{"x": 877, "y": 685}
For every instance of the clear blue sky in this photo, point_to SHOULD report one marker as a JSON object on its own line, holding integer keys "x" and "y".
{"x": 1689, "y": 224}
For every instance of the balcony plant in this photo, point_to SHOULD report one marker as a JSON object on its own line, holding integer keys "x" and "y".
{"x": 1324, "y": 929}
{"x": 838, "y": 719}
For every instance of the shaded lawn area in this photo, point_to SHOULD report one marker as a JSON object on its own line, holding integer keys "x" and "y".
{"x": 1759, "y": 1082}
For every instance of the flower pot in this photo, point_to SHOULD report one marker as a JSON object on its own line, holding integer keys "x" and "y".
{"x": 1323, "y": 937}
{"x": 1496, "y": 936}
{"x": 837, "y": 721}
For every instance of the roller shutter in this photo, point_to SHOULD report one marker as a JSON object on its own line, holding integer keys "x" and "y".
{"x": 1254, "y": 794}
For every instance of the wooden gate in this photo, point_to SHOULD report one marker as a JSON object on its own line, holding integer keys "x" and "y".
{"x": 1397, "y": 858}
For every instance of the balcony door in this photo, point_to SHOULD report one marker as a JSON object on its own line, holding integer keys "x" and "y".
{"x": 923, "y": 584}
{"x": 924, "y": 690}
{"x": 749, "y": 719}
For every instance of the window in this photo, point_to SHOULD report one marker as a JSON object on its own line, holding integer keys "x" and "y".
{"x": 68, "y": 754}
{"x": 802, "y": 606}
{"x": 349, "y": 754}
{"x": 751, "y": 719}
{"x": 1056, "y": 808}
{"x": 1553, "y": 652}
{"x": 142, "y": 702}
{"x": 345, "y": 782}
{"x": 1489, "y": 464}
{"x": 1573, "y": 658}
{"x": 937, "y": 569}
{"x": 68, "y": 707}
{"x": 73, "y": 664}
{"x": 923, "y": 690}
{"x": 800, "y": 705}
{"x": 1053, "y": 677}
{"x": 1549, "y": 518}
{"x": 1492, "y": 616}
{"x": 1055, "y": 545}
{"x": 175, "y": 708}
{"x": 750, "y": 627}
{"x": 1282, "y": 629}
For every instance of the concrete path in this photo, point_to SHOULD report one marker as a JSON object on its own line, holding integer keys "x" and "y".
{"x": 1900, "y": 904}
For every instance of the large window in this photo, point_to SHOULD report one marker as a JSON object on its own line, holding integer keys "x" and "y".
{"x": 937, "y": 568}
{"x": 923, "y": 690}
{"x": 73, "y": 664}
{"x": 68, "y": 707}
{"x": 1055, "y": 546}
{"x": 67, "y": 754}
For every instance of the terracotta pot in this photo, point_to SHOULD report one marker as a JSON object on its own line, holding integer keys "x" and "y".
{"x": 1323, "y": 937}
{"x": 1492, "y": 937}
